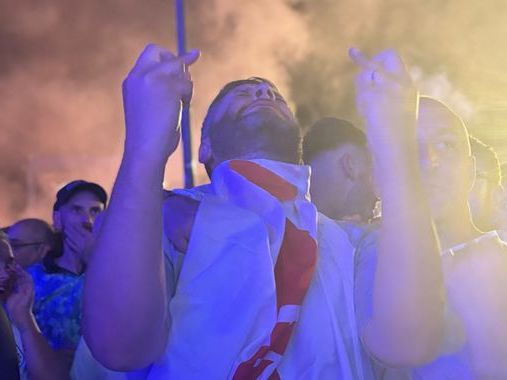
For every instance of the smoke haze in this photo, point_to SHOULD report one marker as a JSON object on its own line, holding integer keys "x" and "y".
{"x": 62, "y": 63}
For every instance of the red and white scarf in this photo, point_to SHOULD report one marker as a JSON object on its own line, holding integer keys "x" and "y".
{"x": 250, "y": 303}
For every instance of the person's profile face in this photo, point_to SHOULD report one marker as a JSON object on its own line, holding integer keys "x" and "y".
{"x": 444, "y": 156}
{"x": 7, "y": 268}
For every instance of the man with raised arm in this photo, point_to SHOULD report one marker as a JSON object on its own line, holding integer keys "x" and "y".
{"x": 243, "y": 290}
{"x": 239, "y": 292}
{"x": 471, "y": 344}
{"x": 399, "y": 300}
{"x": 130, "y": 311}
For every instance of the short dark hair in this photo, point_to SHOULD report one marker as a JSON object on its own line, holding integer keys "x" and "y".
{"x": 330, "y": 133}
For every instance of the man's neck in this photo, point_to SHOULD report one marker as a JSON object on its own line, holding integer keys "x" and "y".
{"x": 261, "y": 155}
{"x": 456, "y": 229}
{"x": 70, "y": 261}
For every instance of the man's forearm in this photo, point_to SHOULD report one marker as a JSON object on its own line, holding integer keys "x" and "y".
{"x": 407, "y": 321}
{"x": 125, "y": 313}
{"x": 124, "y": 299}
{"x": 42, "y": 362}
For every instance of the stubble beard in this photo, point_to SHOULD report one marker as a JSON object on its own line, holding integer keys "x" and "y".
{"x": 262, "y": 134}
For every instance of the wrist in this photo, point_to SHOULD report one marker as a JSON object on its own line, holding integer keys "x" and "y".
{"x": 142, "y": 163}
{"x": 397, "y": 177}
{"x": 25, "y": 322}
{"x": 144, "y": 156}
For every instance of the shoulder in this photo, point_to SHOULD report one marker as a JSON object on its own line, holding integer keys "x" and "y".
{"x": 179, "y": 211}
{"x": 360, "y": 235}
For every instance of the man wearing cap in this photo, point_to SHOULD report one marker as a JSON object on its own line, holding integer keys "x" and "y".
{"x": 59, "y": 281}
{"x": 77, "y": 205}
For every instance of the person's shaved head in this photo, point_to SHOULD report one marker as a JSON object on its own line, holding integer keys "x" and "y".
{"x": 37, "y": 228}
{"x": 31, "y": 239}
{"x": 435, "y": 116}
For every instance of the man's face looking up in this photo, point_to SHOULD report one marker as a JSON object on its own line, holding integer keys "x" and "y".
{"x": 251, "y": 120}
{"x": 250, "y": 97}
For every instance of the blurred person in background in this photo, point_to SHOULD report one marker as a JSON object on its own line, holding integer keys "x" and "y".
{"x": 36, "y": 359}
{"x": 487, "y": 193}
{"x": 501, "y": 209}
{"x": 59, "y": 279}
{"x": 9, "y": 361}
{"x": 31, "y": 240}
{"x": 341, "y": 184}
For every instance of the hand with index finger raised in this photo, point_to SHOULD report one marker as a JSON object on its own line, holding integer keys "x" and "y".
{"x": 153, "y": 93}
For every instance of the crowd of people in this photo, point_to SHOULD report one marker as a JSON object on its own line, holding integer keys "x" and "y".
{"x": 337, "y": 253}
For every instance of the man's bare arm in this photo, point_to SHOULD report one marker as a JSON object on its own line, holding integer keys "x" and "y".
{"x": 125, "y": 318}
{"x": 406, "y": 324}
{"x": 42, "y": 362}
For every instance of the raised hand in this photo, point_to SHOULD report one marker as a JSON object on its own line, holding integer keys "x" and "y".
{"x": 153, "y": 93}
{"x": 78, "y": 238}
{"x": 386, "y": 99}
{"x": 20, "y": 300}
{"x": 7, "y": 277}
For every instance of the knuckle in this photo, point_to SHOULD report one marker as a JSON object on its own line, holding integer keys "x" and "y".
{"x": 150, "y": 46}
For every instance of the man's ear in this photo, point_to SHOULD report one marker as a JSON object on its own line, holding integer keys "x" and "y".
{"x": 43, "y": 250}
{"x": 57, "y": 221}
{"x": 498, "y": 196}
{"x": 348, "y": 165}
{"x": 471, "y": 172}
{"x": 205, "y": 150}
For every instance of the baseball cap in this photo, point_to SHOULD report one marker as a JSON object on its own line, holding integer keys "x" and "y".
{"x": 69, "y": 190}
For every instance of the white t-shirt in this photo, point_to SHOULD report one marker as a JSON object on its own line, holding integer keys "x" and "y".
{"x": 474, "y": 345}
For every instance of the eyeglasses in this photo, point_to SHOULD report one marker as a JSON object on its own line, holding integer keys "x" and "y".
{"x": 16, "y": 245}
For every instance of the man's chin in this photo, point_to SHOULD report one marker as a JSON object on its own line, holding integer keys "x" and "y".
{"x": 264, "y": 131}
{"x": 267, "y": 117}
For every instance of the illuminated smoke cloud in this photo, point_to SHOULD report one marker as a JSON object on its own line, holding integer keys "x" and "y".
{"x": 61, "y": 69}
{"x": 440, "y": 87}
{"x": 63, "y": 61}
{"x": 461, "y": 42}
